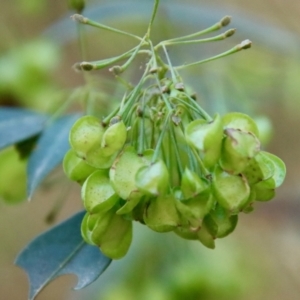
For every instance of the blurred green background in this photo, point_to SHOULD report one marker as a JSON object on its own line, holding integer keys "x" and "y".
{"x": 261, "y": 259}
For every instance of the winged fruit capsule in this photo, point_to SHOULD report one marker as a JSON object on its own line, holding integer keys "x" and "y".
{"x": 206, "y": 235}
{"x": 153, "y": 180}
{"x": 192, "y": 211}
{"x": 221, "y": 219}
{"x": 123, "y": 171}
{"x": 86, "y": 135}
{"x": 114, "y": 137}
{"x": 192, "y": 184}
{"x": 240, "y": 121}
{"x": 97, "y": 193}
{"x": 207, "y": 138}
{"x": 231, "y": 191}
{"x": 279, "y": 168}
{"x": 259, "y": 168}
{"x": 117, "y": 240}
{"x": 99, "y": 160}
{"x": 161, "y": 214}
{"x": 76, "y": 168}
{"x": 265, "y": 189}
{"x": 238, "y": 148}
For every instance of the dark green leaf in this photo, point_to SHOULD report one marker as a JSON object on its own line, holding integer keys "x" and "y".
{"x": 59, "y": 251}
{"x": 49, "y": 151}
{"x": 18, "y": 124}
{"x": 25, "y": 147}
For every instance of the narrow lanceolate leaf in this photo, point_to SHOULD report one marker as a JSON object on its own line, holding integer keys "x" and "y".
{"x": 59, "y": 251}
{"x": 49, "y": 151}
{"x": 18, "y": 124}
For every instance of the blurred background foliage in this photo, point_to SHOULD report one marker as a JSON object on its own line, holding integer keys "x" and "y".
{"x": 39, "y": 45}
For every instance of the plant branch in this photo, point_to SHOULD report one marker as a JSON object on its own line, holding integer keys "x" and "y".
{"x": 154, "y": 11}
{"x": 84, "y": 20}
{"x": 243, "y": 45}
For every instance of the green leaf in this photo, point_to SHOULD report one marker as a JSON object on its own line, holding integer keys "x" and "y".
{"x": 18, "y": 124}
{"x": 59, "y": 251}
{"x": 49, "y": 152}
{"x": 24, "y": 148}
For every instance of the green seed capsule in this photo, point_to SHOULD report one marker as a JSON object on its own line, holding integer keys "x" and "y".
{"x": 91, "y": 221}
{"x": 161, "y": 214}
{"x": 131, "y": 202}
{"x": 76, "y": 168}
{"x": 97, "y": 193}
{"x": 259, "y": 168}
{"x": 264, "y": 190}
{"x": 103, "y": 221}
{"x": 231, "y": 191}
{"x": 264, "y": 194}
{"x": 153, "y": 180}
{"x": 86, "y": 135}
{"x": 206, "y": 237}
{"x": 193, "y": 211}
{"x": 122, "y": 173}
{"x": 114, "y": 138}
{"x": 224, "y": 221}
{"x": 280, "y": 169}
{"x": 85, "y": 232}
{"x": 97, "y": 159}
{"x": 248, "y": 209}
{"x": 211, "y": 226}
{"x": 91, "y": 224}
{"x": 240, "y": 121}
{"x": 248, "y": 206}
{"x": 117, "y": 238}
{"x": 207, "y": 138}
{"x": 186, "y": 233}
{"x": 192, "y": 184}
{"x": 238, "y": 148}
{"x": 138, "y": 212}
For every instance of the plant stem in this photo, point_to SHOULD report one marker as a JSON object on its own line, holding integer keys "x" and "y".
{"x": 83, "y": 20}
{"x": 124, "y": 82}
{"x": 141, "y": 117}
{"x": 244, "y": 45}
{"x": 154, "y": 64}
{"x": 185, "y": 104}
{"x": 219, "y": 37}
{"x": 170, "y": 67}
{"x": 174, "y": 141}
{"x": 223, "y": 22}
{"x": 134, "y": 94}
{"x": 105, "y": 121}
{"x": 90, "y": 106}
{"x": 160, "y": 138}
{"x": 154, "y": 11}
{"x": 97, "y": 65}
{"x": 202, "y": 112}
{"x": 133, "y": 55}
{"x": 200, "y": 162}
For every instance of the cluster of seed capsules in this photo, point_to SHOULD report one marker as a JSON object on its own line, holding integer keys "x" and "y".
{"x": 160, "y": 159}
